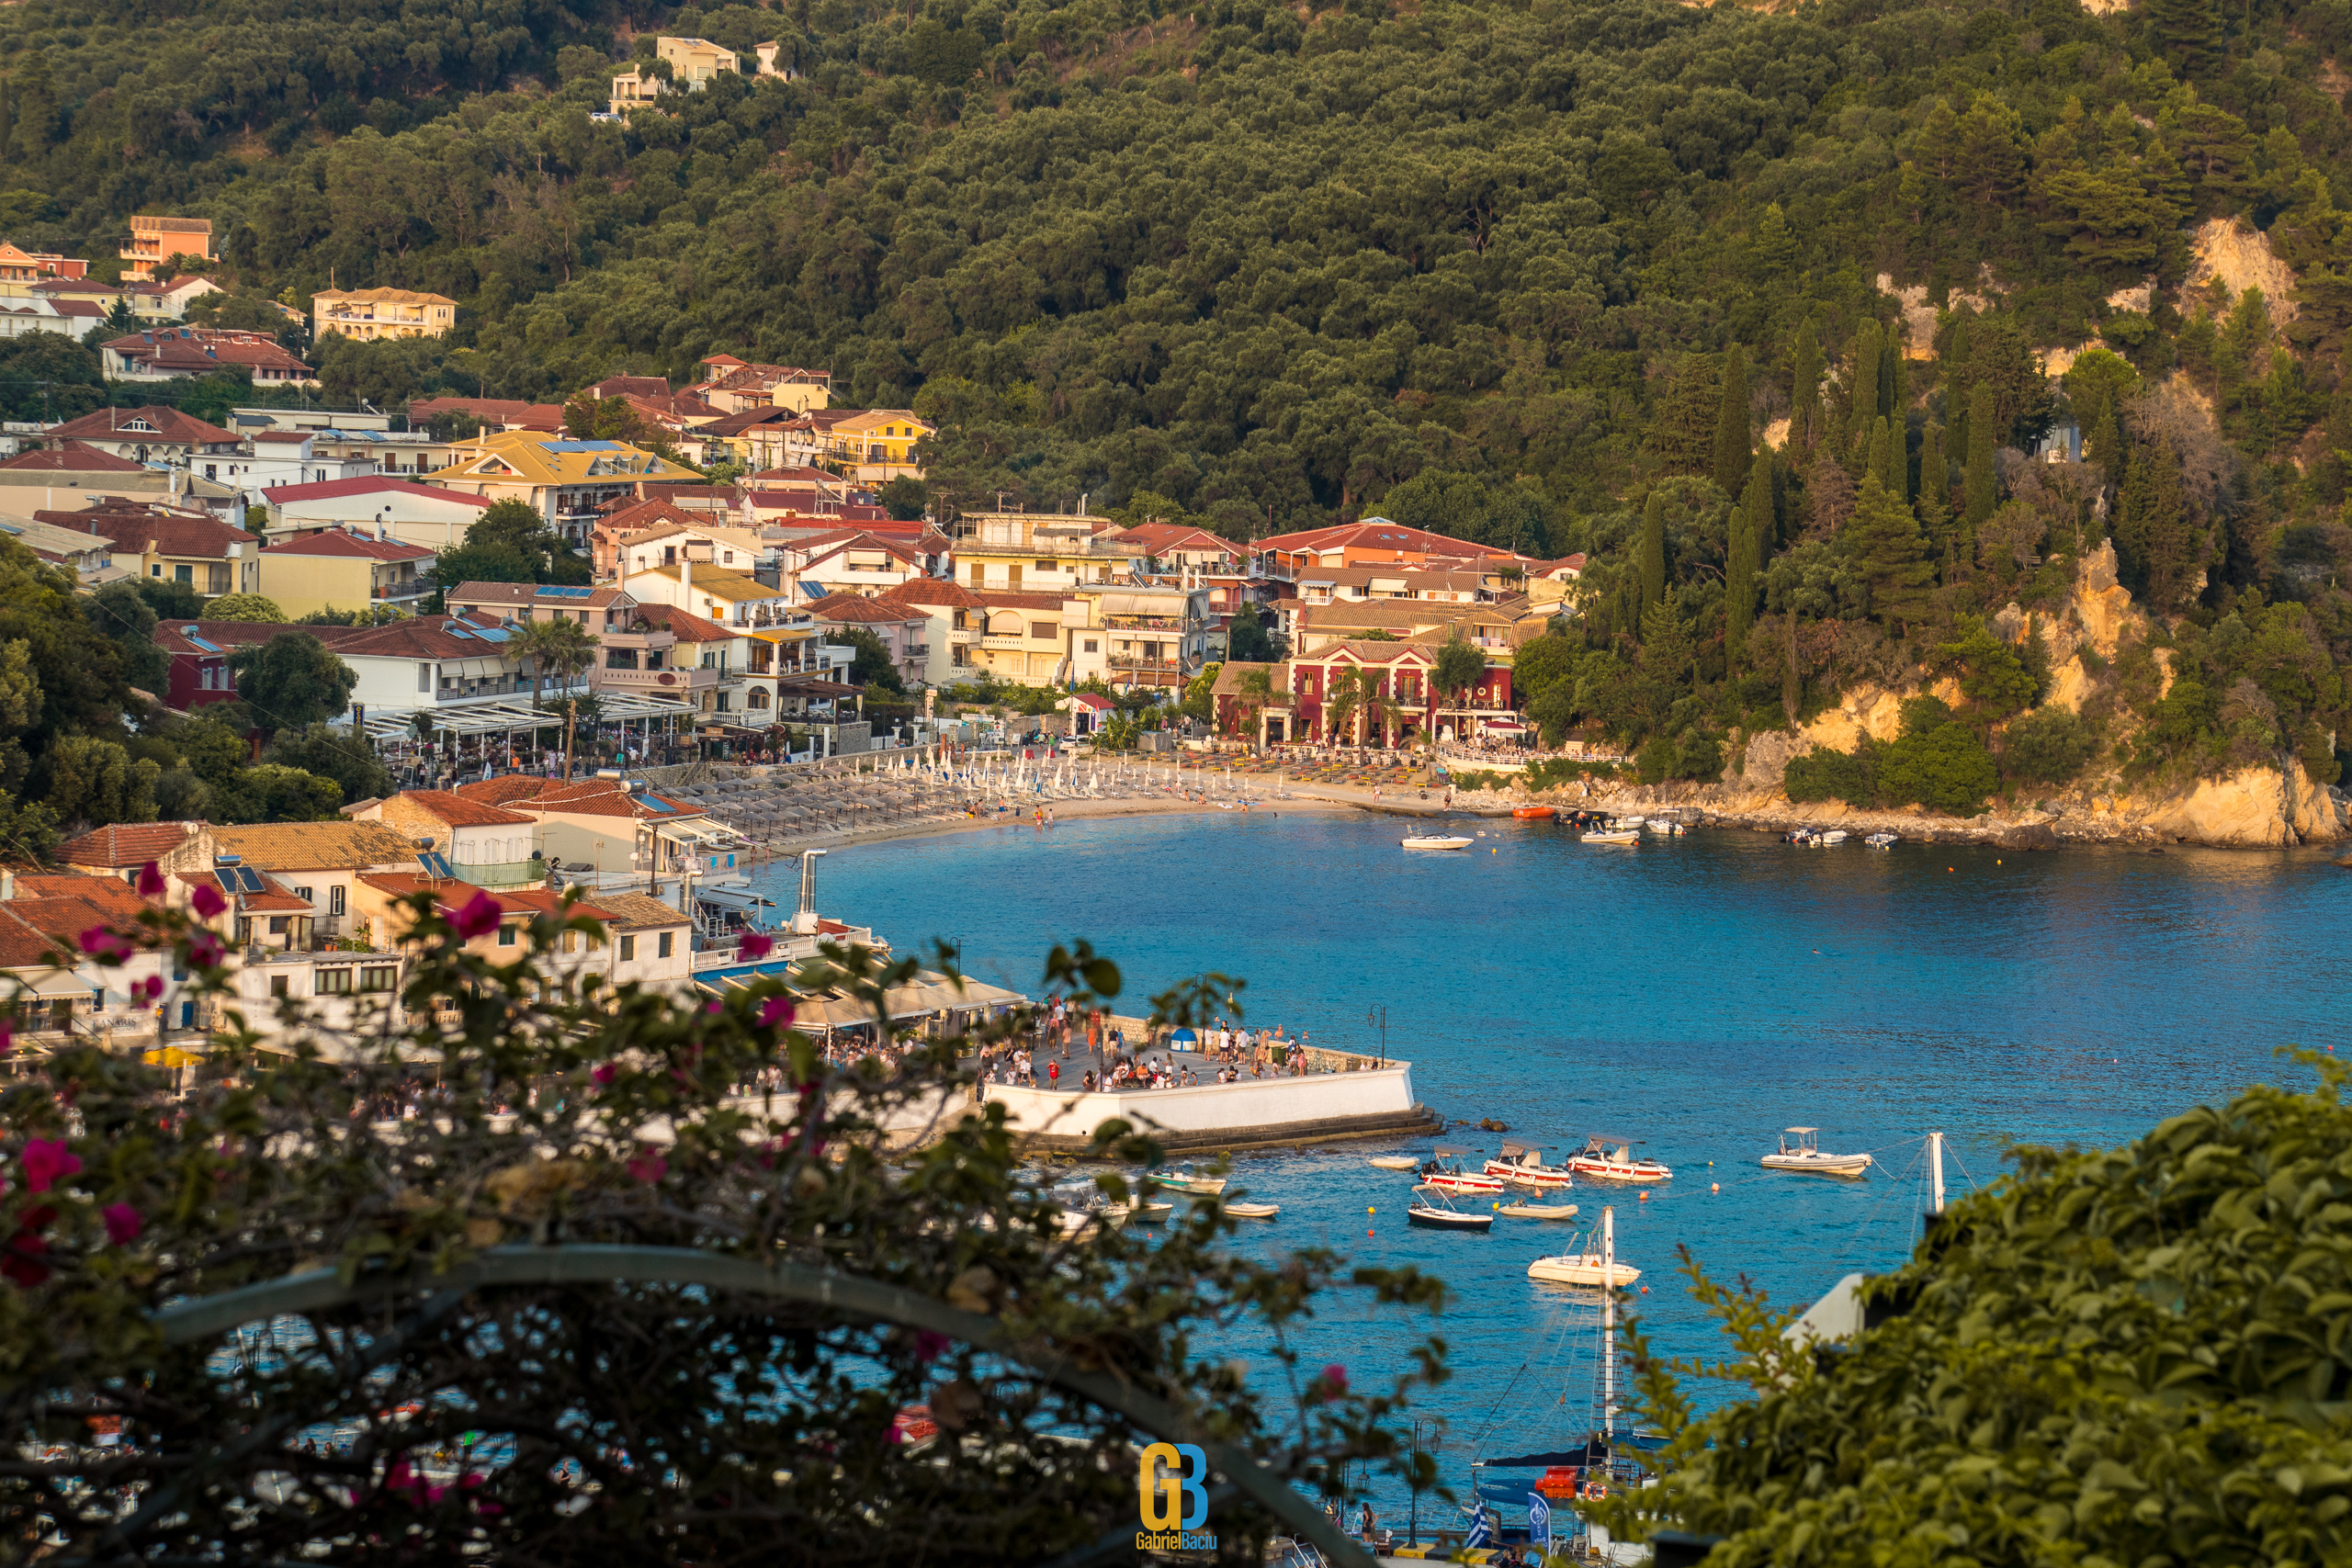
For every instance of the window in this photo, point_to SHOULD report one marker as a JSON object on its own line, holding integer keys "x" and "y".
{"x": 335, "y": 900}
{"x": 629, "y": 948}
{"x": 425, "y": 678}
{"x": 306, "y": 896}
{"x": 1047, "y": 566}
{"x": 335, "y": 982}
{"x": 662, "y": 946}
{"x": 1093, "y": 645}
{"x": 506, "y": 936}
{"x": 277, "y": 924}
{"x": 183, "y": 574}
{"x": 379, "y": 978}
{"x": 571, "y": 941}
{"x": 1041, "y": 631}
{"x": 278, "y": 984}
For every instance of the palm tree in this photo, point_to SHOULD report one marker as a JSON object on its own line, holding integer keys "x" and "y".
{"x": 562, "y": 648}
{"x": 1340, "y": 703}
{"x": 1256, "y": 691}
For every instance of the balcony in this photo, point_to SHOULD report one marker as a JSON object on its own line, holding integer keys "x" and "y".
{"x": 1145, "y": 662}
{"x": 407, "y": 588}
{"x": 915, "y": 652}
{"x": 501, "y": 874}
{"x": 962, "y": 637}
{"x": 685, "y": 684}
{"x": 1151, "y": 623}
{"x": 1008, "y": 644}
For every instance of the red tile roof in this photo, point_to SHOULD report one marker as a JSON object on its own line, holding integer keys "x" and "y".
{"x": 164, "y": 424}
{"x": 72, "y": 457}
{"x": 503, "y": 788}
{"x": 870, "y": 611}
{"x": 689, "y": 626}
{"x": 933, "y": 593}
{"x": 642, "y": 515}
{"x": 134, "y": 528}
{"x": 335, "y": 490}
{"x": 451, "y": 895}
{"x": 50, "y": 910}
{"x": 126, "y": 844}
{"x": 339, "y": 542}
{"x": 196, "y": 351}
{"x": 500, "y": 412}
{"x": 460, "y": 811}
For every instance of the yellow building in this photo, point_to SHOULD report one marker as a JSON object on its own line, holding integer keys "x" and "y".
{"x": 366, "y": 314}
{"x": 566, "y": 481}
{"x": 1043, "y": 552}
{"x": 153, "y": 239}
{"x": 878, "y": 444}
{"x": 695, "y": 64}
{"x": 336, "y": 569}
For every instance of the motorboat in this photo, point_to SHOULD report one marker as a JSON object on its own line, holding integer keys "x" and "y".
{"x": 1535, "y": 813}
{"x": 1395, "y": 1162}
{"x": 1522, "y": 1164}
{"x": 1434, "y": 1209}
{"x": 1538, "y": 1210}
{"x": 1253, "y": 1211}
{"x": 1434, "y": 841}
{"x": 1805, "y": 1154}
{"x": 1183, "y": 1179}
{"x": 1142, "y": 1211}
{"x": 1614, "y": 833}
{"x": 1444, "y": 1172}
{"x": 1600, "y": 1161}
{"x": 1881, "y": 841}
{"x": 1835, "y": 836}
{"x": 1584, "y": 1268}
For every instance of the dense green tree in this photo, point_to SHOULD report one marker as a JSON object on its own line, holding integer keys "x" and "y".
{"x": 513, "y": 526}
{"x": 1248, "y": 639}
{"x": 92, "y": 781}
{"x": 1992, "y": 676}
{"x": 1751, "y": 528}
{"x": 244, "y": 607}
{"x": 171, "y": 601}
{"x": 1735, "y": 447}
{"x": 345, "y": 758}
{"x": 1978, "y": 494}
{"x": 292, "y": 682}
{"x": 1804, "y": 389}
{"x": 872, "y": 665}
{"x": 118, "y": 613}
{"x": 1651, "y": 553}
{"x": 904, "y": 498}
{"x": 2048, "y": 746}
{"x": 1460, "y": 665}
{"x": 1888, "y": 556}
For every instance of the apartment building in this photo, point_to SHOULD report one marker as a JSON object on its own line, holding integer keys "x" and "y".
{"x": 154, "y": 238}
{"x": 1014, "y": 552}
{"x": 571, "y": 483}
{"x": 366, "y": 315}
{"x": 1137, "y": 637}
{"x": 340, "y": 569}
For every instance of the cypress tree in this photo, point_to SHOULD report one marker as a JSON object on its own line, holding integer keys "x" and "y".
{"x": 1732, "y": 449}
{"x": 2103, "y": 442}
{"x": 1874, "y": 457}
{"x": 1861, "y": 379}
{"x": 1652, "y": 554}
{"x": 1898, "y": 459}
{"x": 1977, "y": 495}
{"x": 1934, "y": 501}
{"x": 1805, "y": 387}
{"x": 1883, "y": 539}
{"x": 1890, "y": 374}
{"x": 1749, "y": 525}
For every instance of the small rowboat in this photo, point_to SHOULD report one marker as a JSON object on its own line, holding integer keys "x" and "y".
{"x": 1611, "y": 836}
{"x": 1181, "y": 1179}
{"x": 1433, "y": 842}
{"x": 1536, "y": 813}
{"x": 1253, "y": 1211}
{"x": 1436, "y": 1212}
{"x": 1395, "y": 1162}
{"x": 1538, "y": 1210}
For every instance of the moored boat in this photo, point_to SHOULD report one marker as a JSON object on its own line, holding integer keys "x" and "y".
{"x": 1253, "y": 1211}
{"x": 1881, "y": 841}
{"x": 1615, "y": 833}
{"x": 1433, "y": 842}
{"x": 1591, "y": 1260}
{"x": 1600, "y": 1161}
{"x": 1434, "y": 1209}
{"x": 1522, "y": 1164}
{"x": 1444, "y": 1172}
{"x": 1538, "y": 1210}
{"x": 1394, "y": 1162}
{"x": 1536, "y": 813}
{"x": 1806, "y": 1156}
{"x": 1181, "y": 1178}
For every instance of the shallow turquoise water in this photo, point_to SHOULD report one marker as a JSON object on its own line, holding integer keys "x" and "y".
{"x": 1698, "y": 994}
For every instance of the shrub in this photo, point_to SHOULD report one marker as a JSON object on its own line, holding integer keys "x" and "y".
{"x": 1946, "y": 769}
{"x": 2048, "y": 746}
{"x": 1826, "y": 775}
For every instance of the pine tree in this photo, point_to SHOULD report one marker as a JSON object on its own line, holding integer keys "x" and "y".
{"x": 1804, "y": 389}
{"x": 2135, "y": 501}
{"x": 1978, "y": 496}
{"x": 1933, "y": 503}
{"x": 1883, "y": 539}
{"x": 1652, "y": 556}
{"x": 1733, "y": 447}
{"x": 1751, "y": 523}
{"x": 2171, "y": 568}
{"x": 2189, "y": 33}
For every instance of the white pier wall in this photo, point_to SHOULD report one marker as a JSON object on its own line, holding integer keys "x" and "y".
{"x": 1212, "y": 1106}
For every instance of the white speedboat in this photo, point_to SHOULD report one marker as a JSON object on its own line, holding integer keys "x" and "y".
{"x": 1586, "y": 1269}
{"x": 1433, "y": 842}
{"x": 1538, "y": 1210}
{"x": 1835, "y": 836}
{"x": 1253, "y": 1211}
{"x": 1615, "y": 833}
{"x": 1598, "y": 1160}
{"x": 1434, "y": 1210}
{"x": 1181, "y": 1178}
{"x": 1444, "y": 1172}
{"x": 1394, "y": 1162}
{"x": 1805, "y": 1155}
{"x": 1142, "y": 1211}
{"x": 1880, "y": 841}
{"x": 1522, "y": 1164}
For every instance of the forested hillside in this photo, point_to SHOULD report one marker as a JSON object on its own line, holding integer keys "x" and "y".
{"x": 1531, "y": 272}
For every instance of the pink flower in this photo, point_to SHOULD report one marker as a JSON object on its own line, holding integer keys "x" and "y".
{"x": 927, "y": 1346}
{"x": 207, "y": 900}
{"x": 649, "y": 1167}
{"x": 605, "y": 1074}
{"x": 105, "y": 945}
{"x": 206, "y": 951}
{"x": 149, "y": 989}
{"x": 21, "y": 1254}
{"x": 151, "y": 881}
{"x": 757, "y": 944}
{"x": 47, "y": 1159}
{"x": 8, "y": 1035}
{"x": 1335, "y": 1378}
{"x": 478, "y": 918}
{"x": 122, "y": 1224}
{"x": 777, "y": 1012}
{"x": 714, "y": 1008}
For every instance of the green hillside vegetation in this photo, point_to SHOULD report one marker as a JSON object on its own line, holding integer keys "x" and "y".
{"x": 1480, "y": 267}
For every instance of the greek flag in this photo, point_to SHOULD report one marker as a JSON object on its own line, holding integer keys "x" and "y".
{"x": 1538, "y": 1521}
{"x": 1482, "y": 1530}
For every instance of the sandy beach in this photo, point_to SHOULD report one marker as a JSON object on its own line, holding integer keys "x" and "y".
{"x": 1063, "y": 811}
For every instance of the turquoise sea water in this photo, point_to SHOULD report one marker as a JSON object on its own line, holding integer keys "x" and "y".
{"x": 1698, "y": 994}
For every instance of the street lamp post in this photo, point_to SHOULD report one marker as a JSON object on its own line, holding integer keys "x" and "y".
{"x": 1377, "y": 1017}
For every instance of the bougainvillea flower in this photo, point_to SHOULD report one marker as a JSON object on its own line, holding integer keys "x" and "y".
{"x": 478, "y": 918}
{"x": 151, "y": 881}
{"x": 649, "y": 1167}
{"x": 123, "y": 1224}
{"x": 47, "y": 1160}
{"x": 757, "y": 944}
{"x": 207, "y": 900}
